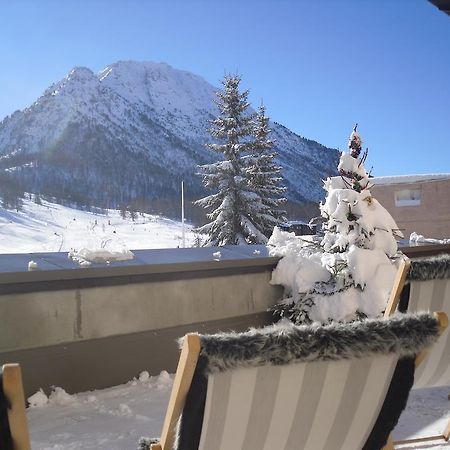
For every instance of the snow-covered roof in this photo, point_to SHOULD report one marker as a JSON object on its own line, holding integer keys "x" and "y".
{"x": 295, "y": 222}
{"x": 400, "y": 179}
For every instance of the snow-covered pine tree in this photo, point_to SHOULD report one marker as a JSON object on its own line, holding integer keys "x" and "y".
{"x": 264, "y": 176}
{"x": 349, "y": 272}
{"x": 234, "y": 203}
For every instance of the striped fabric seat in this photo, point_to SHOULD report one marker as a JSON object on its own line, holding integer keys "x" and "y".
{"x": 286, "y": 387}
{"x": 432, "y": 295}
{"x": 311, "y": 406}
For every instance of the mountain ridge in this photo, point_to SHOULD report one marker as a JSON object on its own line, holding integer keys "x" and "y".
{"x": 131, "y": 131}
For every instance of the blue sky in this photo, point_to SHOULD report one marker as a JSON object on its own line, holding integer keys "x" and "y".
{"x": 319, "y": 66}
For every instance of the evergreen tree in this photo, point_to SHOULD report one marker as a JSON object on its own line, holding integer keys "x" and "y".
{"x": 123, "y": 211}
{"x": 264, "y": 176}
{"x": 133, "y": 212}
{"x": 37, "y": 199}
{"x": 11, "y": 192}
{"x": 235, "y": 204}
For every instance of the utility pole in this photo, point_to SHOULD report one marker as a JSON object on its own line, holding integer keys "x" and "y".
{"x": 183, "y": 241}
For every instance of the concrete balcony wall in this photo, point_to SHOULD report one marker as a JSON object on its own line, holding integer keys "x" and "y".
{"x": 53, "y": 317}
{"x": 86, "y": 328}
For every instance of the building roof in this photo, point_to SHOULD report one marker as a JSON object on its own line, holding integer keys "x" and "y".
{"x": 401, "y": 179}
{"x": 443, "y": 5}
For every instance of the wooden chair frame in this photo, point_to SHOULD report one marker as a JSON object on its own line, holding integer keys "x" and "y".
{"x": 183, "y": 379}
{"x": 13, "y": 390}
{"x": 399, "y": 284}
{"x": 188, "y": 361}
{"x": 181, "y": 385}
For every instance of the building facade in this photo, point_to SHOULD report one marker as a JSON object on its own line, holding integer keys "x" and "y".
{"x": 418, "y": 203}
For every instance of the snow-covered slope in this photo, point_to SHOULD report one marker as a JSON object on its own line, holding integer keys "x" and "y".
{"x": 134, "y": 130}
{"x": 55, "y": 228}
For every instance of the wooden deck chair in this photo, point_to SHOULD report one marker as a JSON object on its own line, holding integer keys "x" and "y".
{"x": 286, "y": 387}
{"x": 428, "y": 289}
{"x": 13, "y": 421}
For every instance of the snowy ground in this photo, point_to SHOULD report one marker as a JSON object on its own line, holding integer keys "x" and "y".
{"x": 53, "y": 228}
{"x": 111, "y": 419}
{"x": 115, "y": 418}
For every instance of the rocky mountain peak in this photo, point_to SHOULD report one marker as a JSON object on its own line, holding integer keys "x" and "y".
{"x": 135, "y": 130}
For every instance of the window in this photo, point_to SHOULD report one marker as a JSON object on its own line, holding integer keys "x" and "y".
{"x": 407, "y": 197}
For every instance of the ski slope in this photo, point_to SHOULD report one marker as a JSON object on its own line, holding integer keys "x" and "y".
{"x": 55, "y": 228}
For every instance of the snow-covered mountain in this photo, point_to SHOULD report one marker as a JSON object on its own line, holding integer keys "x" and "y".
{"x": 134, "y": 131}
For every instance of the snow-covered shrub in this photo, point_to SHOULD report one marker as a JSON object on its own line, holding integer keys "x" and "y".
{"x": 348, "y": 272}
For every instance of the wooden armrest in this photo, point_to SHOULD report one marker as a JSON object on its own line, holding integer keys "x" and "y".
{"x": 399, "y": 283}
{"x": 181, "y": 385}
{"x": 12, "y": 387}
{"x": 442, "y": 319}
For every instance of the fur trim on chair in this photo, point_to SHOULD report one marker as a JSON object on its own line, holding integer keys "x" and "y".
{"x": 283, "y": 343}
{"x": 436, "y": 267}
